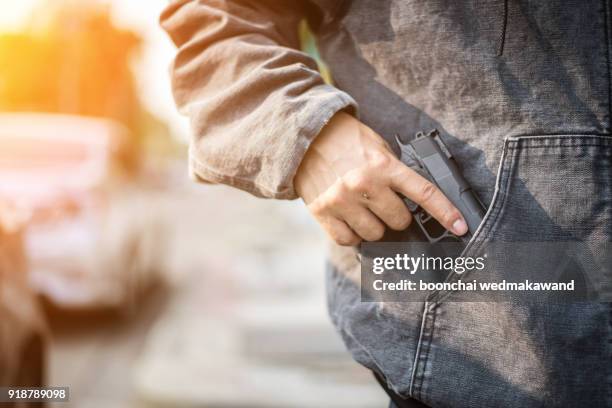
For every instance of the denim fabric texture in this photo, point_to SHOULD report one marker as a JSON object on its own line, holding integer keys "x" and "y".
{"x": 520, "y": 91}
{"x": 531, "y": 130}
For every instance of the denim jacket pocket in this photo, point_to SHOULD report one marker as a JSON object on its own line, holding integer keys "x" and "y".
{"x": 550, "y": 188}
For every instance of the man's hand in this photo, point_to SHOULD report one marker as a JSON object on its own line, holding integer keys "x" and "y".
{"x": 349, "y": 179}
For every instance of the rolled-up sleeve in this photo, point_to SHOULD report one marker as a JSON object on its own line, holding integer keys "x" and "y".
{"x": 255, "y": 102}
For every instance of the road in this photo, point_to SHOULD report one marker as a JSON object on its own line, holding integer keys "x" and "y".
{"x": 241, "y": 321}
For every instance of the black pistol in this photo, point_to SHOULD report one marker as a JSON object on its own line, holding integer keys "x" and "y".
{"x": 428, "y": 155}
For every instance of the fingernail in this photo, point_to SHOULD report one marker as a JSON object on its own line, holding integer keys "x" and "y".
{"x": 459, "y": 227}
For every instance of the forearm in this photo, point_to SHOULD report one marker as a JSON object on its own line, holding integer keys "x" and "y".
{"x": 254, "y": 100}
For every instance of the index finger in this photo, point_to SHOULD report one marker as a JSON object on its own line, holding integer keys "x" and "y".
{"x": 408, "y": 182}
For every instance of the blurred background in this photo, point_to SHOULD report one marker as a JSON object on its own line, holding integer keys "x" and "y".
{"x": 121, "y": 278}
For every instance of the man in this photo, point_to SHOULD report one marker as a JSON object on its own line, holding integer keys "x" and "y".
{"x": 520, "y": 91}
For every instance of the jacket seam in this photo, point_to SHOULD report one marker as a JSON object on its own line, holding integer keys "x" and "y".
{"x": 504, "y": 28}
{"x": 572, "y": 145}
{"x": 606, "y": 11}
{"x": 415, "y": 364}
{"x": 428, "y": 332}
{"x": 497, "y": 208}
{"x": 569, "y": 134}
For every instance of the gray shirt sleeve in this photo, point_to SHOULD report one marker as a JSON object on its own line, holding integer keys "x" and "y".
{"x": 254, "y": 100}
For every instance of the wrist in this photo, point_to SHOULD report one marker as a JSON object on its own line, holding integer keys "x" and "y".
{"x": 316, "y": 171}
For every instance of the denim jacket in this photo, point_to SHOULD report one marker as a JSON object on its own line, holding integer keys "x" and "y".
{"x": 520, "y": 91}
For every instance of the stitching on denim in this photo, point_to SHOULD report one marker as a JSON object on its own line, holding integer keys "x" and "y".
{"x": 504, "y": 197}
{"x": 609, "y": 393}
{"x": 497, "y": 205}
{"x": 561, "y": 136}
{"x": 606, "y": 11}
{"x": 502, "y": 36}
{"x": 505, "y": 178}
{"x": 503, "y": 200}
{"x": 344, "y": 330}
{"x": 409, "y": 373}
{"x": 496, "y": 211}
{"x": 607, "y": 145}
{"x": 490, "y": 217}
{"x": 430, "y": 320}
{"x": 417, "y": 353}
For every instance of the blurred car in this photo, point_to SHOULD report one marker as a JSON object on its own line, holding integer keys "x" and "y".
{"x": 94, "y": 240}
{"x": 22, "y": 329}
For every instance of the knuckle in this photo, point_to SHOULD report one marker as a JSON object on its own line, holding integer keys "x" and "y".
{"x": 338, "y": 189}
{"x": 428, "y": 190}
{"x": 336, "y": 198}
{"x": 357, "y": 181}
{"x": 379, "y": 160}
{"x": 401, "y": 222}
{"x": 346, "y": 239}
{"x": 375, "y": 232}
{"x": 405, "y": 222}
